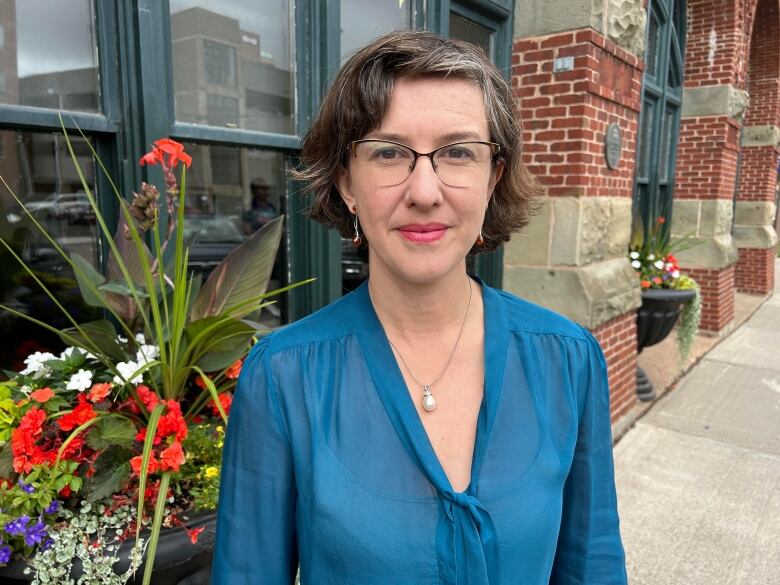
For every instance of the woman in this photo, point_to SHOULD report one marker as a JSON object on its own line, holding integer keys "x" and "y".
{"x": 425, "y": 428}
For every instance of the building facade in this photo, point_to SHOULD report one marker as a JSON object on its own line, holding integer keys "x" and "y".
{"x": 685, "y": 93}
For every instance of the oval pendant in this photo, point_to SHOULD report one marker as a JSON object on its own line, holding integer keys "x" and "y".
{"x": 428, "y": 401}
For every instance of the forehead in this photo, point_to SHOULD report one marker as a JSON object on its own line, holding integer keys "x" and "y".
{"x": 426, "y": 108}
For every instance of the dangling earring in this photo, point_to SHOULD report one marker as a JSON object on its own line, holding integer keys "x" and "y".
{"x": 357, "y": 239}
{"x": 480, "y": 240}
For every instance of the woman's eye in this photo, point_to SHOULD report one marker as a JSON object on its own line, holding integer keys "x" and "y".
{"x": 458, "y": 153}
{"x": 388, "y": 154}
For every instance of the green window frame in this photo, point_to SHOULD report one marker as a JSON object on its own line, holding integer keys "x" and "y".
{"x": 137, "y": 100}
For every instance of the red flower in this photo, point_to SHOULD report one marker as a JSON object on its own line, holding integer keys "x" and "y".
{"x": 645, "y": 284}
{"x": 657, "y": 280}
{"x": 172, "y": 457}
{"x": 147, "y": 397}
{"x": 152, "y": 467}
{"x": 166, "y": 147}
{"x": 99, "y": 392}
{"x": 234, "y": 370}
{"x": 65, "y": 492}
{"x": 194, "y": 533}
{"x": 42, "y": 395}
{"x": 226, "y": 400}
{"x": 172, "y": 422}
{"x": 661, "y": 220}
{"x": 78, "y": 416}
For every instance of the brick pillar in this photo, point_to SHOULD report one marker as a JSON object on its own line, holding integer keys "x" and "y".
{"x": 713, "y": 105}
{"x": 572, "y": 257}
{"x": 754, "y": 232}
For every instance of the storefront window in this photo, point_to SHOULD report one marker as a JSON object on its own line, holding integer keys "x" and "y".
{"x": 232, "y": 64}
{"x": 364, "y": 20}
{"x": 47, "y": 56}
{"x": 39, "y": 170}
{"x": 231, "y": 193}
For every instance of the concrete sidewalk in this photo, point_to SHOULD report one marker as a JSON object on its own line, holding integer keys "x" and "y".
{"x": 698, "y": 477}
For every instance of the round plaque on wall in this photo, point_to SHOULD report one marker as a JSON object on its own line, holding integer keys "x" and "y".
{"x": 613, "y": 145}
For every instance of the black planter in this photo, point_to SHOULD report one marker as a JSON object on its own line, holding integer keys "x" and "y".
{"x": 178, "y": 561}
{"x": 655, "y": 319}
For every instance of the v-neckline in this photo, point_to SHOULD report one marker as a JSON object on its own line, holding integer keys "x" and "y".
{"x": 400, "y": 408}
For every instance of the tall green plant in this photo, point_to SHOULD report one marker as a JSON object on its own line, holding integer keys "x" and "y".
{"x": 195, "y": 327}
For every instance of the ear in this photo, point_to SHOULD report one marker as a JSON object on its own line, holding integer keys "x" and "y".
{"x": 496, "y": 175}
{"x": 344, "y": 187}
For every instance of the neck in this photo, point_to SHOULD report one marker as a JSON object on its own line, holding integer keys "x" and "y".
{"x": 410, "y": 310}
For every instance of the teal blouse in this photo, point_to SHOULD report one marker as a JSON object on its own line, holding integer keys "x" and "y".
{"x": 327, "y": 464}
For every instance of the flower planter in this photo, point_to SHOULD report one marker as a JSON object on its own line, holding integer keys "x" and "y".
{"x": 656, "y": 318}
{"x": 177, "y": 560}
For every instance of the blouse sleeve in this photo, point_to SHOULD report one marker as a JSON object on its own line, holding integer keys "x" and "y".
{"x": 255, "y": 539}
{"x": 589, "y": 550}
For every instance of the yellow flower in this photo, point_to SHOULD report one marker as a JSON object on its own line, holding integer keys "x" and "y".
{"x": 220, "y": 429}
{"x": 212, "y": 472}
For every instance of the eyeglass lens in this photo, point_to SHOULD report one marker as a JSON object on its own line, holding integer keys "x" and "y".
{"x": 458, "y": 165}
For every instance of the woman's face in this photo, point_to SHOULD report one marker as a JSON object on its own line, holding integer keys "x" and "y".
{"x": 421, "y": 229}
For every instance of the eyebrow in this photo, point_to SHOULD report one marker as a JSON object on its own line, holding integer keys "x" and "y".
{"x": 446, "y": 138}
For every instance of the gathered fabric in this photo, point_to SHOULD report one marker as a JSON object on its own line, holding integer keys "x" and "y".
{"x": 327, "y": 465}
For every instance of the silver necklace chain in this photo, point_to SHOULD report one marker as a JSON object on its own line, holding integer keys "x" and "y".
{"x": 428, "y": 401}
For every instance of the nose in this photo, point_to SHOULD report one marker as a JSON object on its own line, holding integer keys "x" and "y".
{"x": 423, "y": 187}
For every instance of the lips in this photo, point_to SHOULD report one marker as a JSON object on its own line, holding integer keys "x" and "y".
{"x": 423, "y": 232}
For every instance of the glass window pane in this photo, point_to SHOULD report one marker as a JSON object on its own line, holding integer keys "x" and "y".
{"x": 364, "y": 20}
{"x": 232, "y": 64}
{"x": 49, "y": 55}
{"x": 467, "y": 30}
{"x": 651, "y": 53}
{"x": 231, "y": 193}
{"x": 645, "y": 137}
{"x": 39, "y": 170}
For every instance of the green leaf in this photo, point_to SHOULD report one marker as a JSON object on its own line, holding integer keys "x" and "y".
{"x": 102, "y": 334}
{"x": 242, "y": 275}
{"x": 112, "y": 471}
{"x": 111, "y": 430}
{"x": 131, "y": 253}
{"x": 120, "y": 288}
{"x": 6, "y": 461}
{"x": 90, "y": 275}
{"x": 75, "y": 484}
{"x": 218, "y": 341}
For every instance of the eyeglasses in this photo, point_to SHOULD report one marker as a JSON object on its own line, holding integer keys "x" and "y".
{"x": 387, "y": 163}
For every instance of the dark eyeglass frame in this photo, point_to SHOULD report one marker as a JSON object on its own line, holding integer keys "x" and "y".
{"x": 495, "y": 154}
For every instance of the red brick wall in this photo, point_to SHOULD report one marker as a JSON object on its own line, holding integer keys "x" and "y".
{"x": 706, "y": 158}
{"x": 565, "y": 114}
{"x": 755, "y": 273}
{"x": 617, "y": 338}
{"x": 717, "y": 294}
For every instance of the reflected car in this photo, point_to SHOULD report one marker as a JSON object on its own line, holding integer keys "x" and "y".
{"x": 74, "y": 208}
{"x": 215, "y": 236}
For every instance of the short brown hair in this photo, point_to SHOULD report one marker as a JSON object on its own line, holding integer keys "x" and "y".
{"x": 359, "y": 97}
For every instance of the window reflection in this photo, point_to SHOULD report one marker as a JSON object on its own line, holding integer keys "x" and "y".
{"x": 232, "y": 64}
{"x": 231, "y": 193}
{"x": 48, "y": 55}
{"x": 472, "y": 32}
{"x": 39, "y": 170}
{"x": 364, "y": 20}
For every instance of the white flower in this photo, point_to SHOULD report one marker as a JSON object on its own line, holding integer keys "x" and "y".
{"x": 80, "y": 381}
{"x": 651, "y": 257}
{"x": 636, "y": 264}
{"x": 676, "y": 273}
{"x": 121, "y": 339}
{"x": 127, "y": 369}
{"x": 659, "y": 264}
{"x": 668, "y": 266}
{"x": 35, "y": 364}
{"x": 634, "y": 255}
{"x": 139, "y": 338}
{"x": 146, "y": 353}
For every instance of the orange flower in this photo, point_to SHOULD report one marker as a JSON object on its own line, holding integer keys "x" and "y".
{"x": 99, "y": 391}
{"x": 661, "y": 220}
{"x": 166, "y": 147}
{"x": 172, "y": 457}
{"x": 645, "y": 284}
{"x": 234, "y": 370}
{"x": 194, "y": 533}
{"x": 78, "y": 416}
{"x": 152, "y": 467}
{"x": 42, "y": 395}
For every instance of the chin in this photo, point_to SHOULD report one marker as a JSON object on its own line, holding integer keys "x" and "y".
{"x": 420, "y": 268}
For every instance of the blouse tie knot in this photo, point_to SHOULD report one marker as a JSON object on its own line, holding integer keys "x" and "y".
{"x": 473, "y": 558}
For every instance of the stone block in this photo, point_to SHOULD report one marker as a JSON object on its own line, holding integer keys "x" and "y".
{"x": 715, "y": 217}
{"x": 715, "y": 100}
{"x": 590, "y": 295}
{"x": 535, "y": 18}
{"x": 685, "y": 217}
{"x": 754, "y": 213}
{"x": 714, "y": 253}
{"x": 626, "y": 23}
{"x": 763, "y": 236}
{"x": 565, "y": 238}
{"x": 605, "y": 228}
{"x": 532, "y": 245}
{"x": 768, "y": 135}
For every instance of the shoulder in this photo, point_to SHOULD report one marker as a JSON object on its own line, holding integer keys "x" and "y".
{"x": 331, "y": 322}
{"x": 526, "y": 317}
